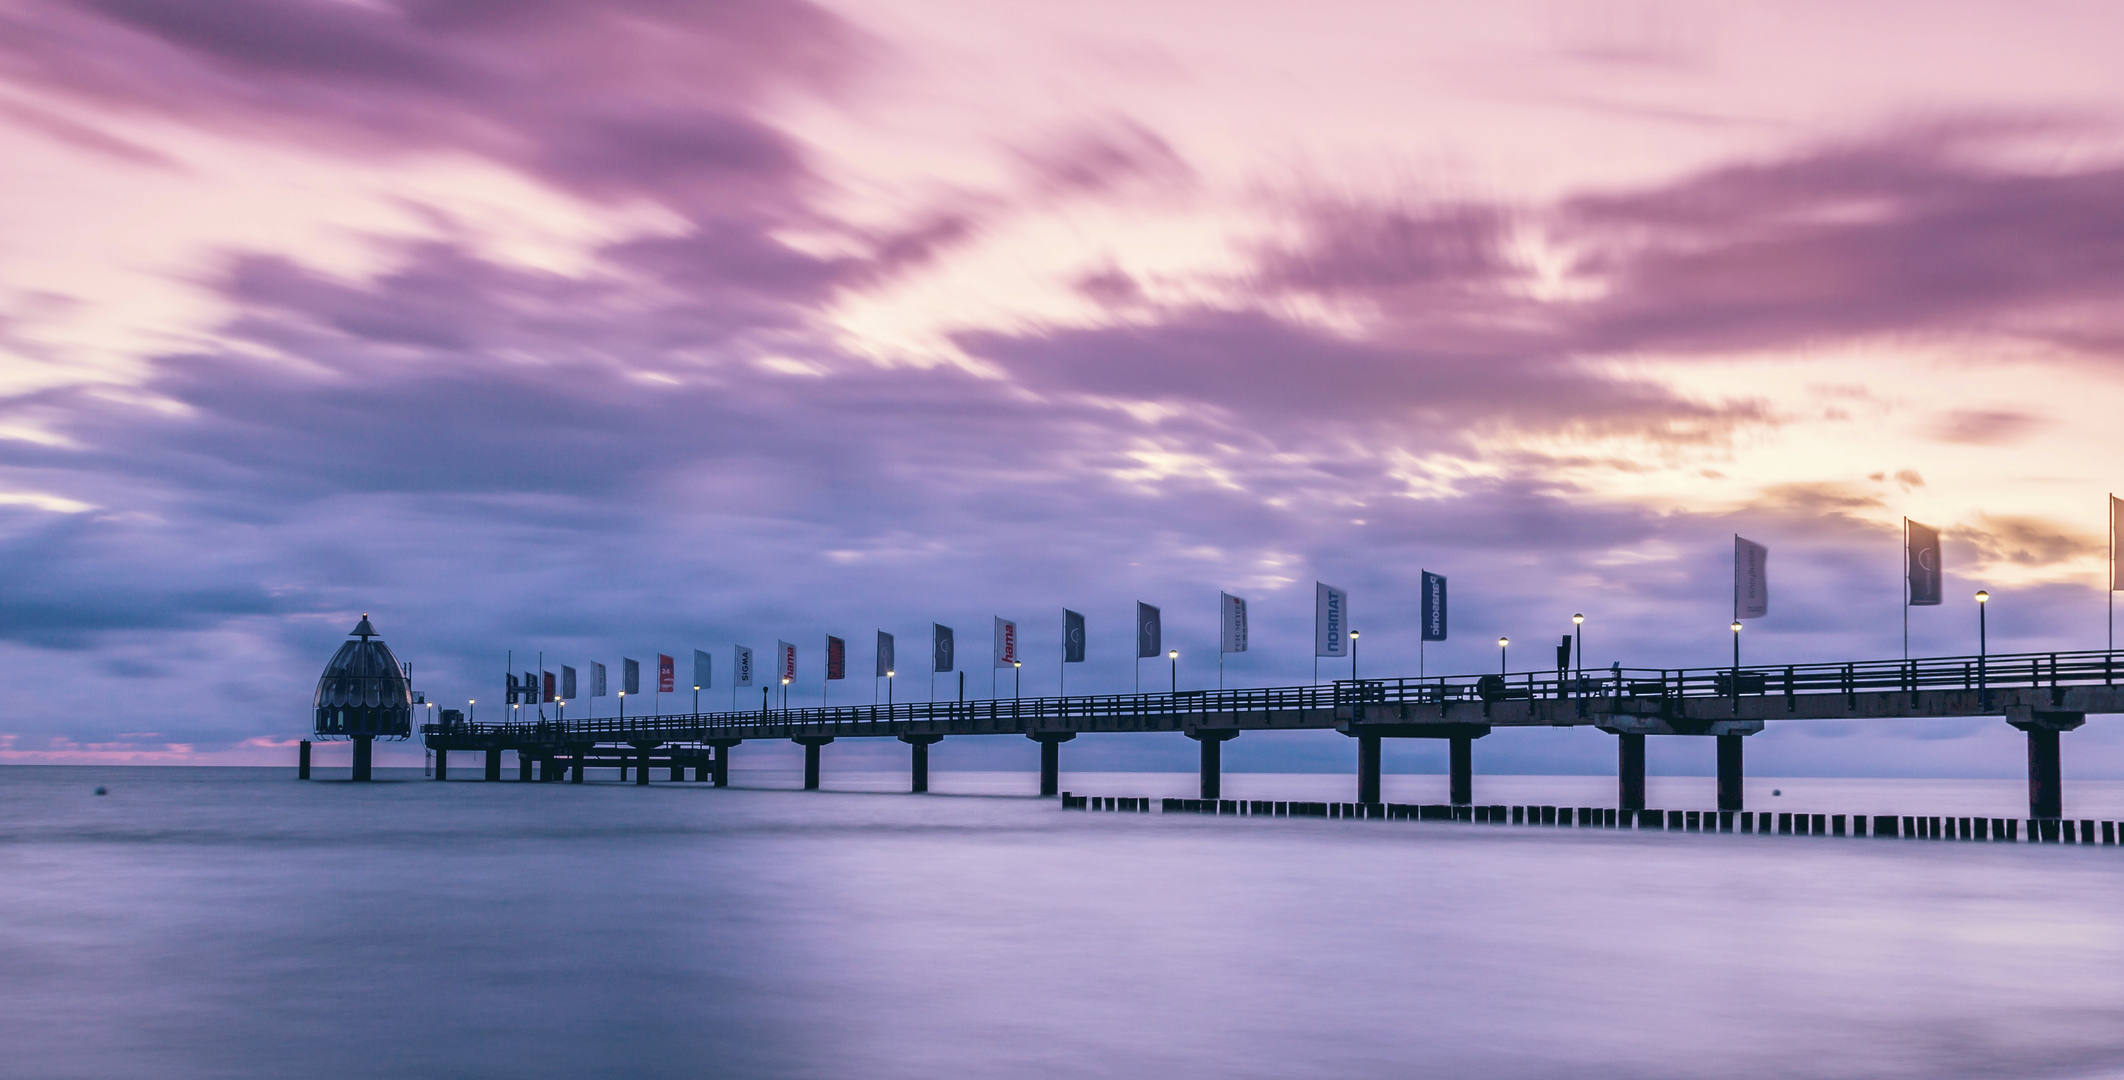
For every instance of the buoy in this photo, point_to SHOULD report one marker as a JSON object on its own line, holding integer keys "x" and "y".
{"x": 100, "y": 791}
{"x": 1775, "y": 791}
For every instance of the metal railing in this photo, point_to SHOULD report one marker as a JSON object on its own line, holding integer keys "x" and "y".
{"x": 1974, "y": 673}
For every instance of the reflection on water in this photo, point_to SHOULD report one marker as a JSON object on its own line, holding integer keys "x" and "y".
{"x": 236, "y": 923}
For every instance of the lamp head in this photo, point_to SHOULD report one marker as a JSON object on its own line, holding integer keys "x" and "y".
{"x": 1736, "y": 626}
{"x": 1353, "y": 635}
{"x": 1578, "y": 619}
{"x": 1503, "y": 641}
{"x": 1173, "y": 655}
{"x": 1982, "y": 596}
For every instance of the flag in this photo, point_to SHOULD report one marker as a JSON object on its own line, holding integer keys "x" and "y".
{"x": 1150, "y": 632}
{"x": 1331, "y": 620}
{"x": 546, "y": 697}
{"x": 666, "y": 674}
{"x": 1563, "y": 655}
{"x": 597, "y": 679}
{"x": 1924, "y": 557}
{"x": 941, "y": 651}
{"x": 836, "y": 658}
{"x": 531, "y": 688}
{"x": 1434, "y": 606}
{"x": 1231, "y": 622}
{"x": 1006, "y": 642}
{"x": 1751, "y": 581}
{"x": 630, "y": 676}
{"x": 703, "y": 670}
{"x": 515, "y": 689}
{"x": 741, "y": 666}
{"x": 2116, "y": 530}
{"x": 885, "y": 664}
{"x": 567, "y": 683}
{"x": 1072, "y": 637}
{"x": 785, "y": 662}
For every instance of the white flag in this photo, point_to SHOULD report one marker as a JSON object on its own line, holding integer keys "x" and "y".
{"x": 1232, "y": 620}
{"x": 1006, "y": 643}
{"x": 703, "y": 670}
{"x": 785, "y": 662}
{"x": 741, "y": 667}
{"x": 1331, "y": 620}
{"x": 597, "y": 679}
{"x": 1751, "y": 582}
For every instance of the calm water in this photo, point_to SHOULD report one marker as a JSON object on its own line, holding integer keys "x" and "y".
{"x": 236, "y": 923}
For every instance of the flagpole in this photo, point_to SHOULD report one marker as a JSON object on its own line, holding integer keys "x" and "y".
{"x": 1906, "y": 588}
{"x": 2110, "y": 586}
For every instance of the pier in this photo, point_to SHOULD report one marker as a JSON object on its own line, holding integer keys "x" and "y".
{"x": 2041, "y": 694}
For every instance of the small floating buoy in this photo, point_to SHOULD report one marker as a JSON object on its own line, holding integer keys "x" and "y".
{"x": 1775, "y": 791}
{"x": 100, "y": 790}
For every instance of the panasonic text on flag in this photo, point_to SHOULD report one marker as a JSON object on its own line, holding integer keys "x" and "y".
{"x": 1434, "y": 606}
{"x": 1231, "y": 623}
{"x": 1751, "y": 579}
{"x": 1331, "y": 620}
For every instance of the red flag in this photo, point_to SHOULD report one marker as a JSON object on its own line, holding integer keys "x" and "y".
{"x": 664, "y": 678}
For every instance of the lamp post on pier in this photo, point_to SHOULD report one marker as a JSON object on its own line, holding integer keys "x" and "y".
{"x": 1174, "y": 656}
{"x": 1353, "y": 656}
{"x": 1578, "y": 642}
{"x": 1983, "y": 599}
{"x": 1502, "y": 642}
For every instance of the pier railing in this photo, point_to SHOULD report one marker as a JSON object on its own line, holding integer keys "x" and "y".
{"x": 1971, "y": 673}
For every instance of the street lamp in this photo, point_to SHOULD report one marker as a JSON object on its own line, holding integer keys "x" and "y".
{"x": 1017, "y": 678}
{"x": 1578, "y": 642}
{"x": 1353, "y": 656}
{"x": 785, "y": 691}
{"x": 696, "y": 699}
{"x": 1502, "y": 641}
{"x": 623, "y": 704}
{"x": 888, "y": 688}
{"x": 471, "y": 709}
{"x": 1174, "y": 656}
{"x": 1983, "y": 599}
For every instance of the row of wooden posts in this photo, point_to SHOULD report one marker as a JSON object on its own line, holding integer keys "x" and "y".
{"x": 1909, "y": 827}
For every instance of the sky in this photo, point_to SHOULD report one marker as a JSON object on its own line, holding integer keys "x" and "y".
{"x": 590, "y": 330}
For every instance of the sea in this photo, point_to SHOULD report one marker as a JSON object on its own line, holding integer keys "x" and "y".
{"x": 204, "y": 922}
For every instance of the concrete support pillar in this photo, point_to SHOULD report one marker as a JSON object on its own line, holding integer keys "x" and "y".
{"x": 1463, "y": 767}
{"x": 1212, "y": 759}
{"x": 811, "y": 744}
{"x": 493, "y": 765}
{"x": 362, "y": 745}
{"x": 2046, "y": 781}
{"x": 701, "y": 768}
{"x": 722, "y": 764}
{"x": 302, "y": 761}
{"x": 523, "y": 765}
{"x": 1050, "y": 758}
{"x": 1729, "y": 772}
{"x": 1630, "y": 771}
{"x": 641, "y": 766}
{"x": 920, "y": 744}
{"x": 575, "y": 767}
{"x": 678, "y": 771}
{"x": 1368, "y": 768}
{"x": 442, "y": 764}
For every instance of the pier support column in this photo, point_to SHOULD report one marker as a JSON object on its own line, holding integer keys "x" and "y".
{"x": 678, "y": 771}
{"x": 302, "y": 761}
{"x": 362, "y": 744}
{"x": 575, "y": 766}
{"x": 1368, "y": 768}
{"x": 921, "y": 744}
{"x": 641, "y": 761}
{"x": 2046, "y": 780}
{"x": 1463, "y": 767}
{"x": 811, "y": 744}
{"x": 1050, "y": 758}
{"x": 722, "y": 761}
{"x": 1729, "y": 772}
{"x": 493, "y": 765}
{"x": 442, "y": 764}
{"x": 523, "y": 765}
{"x": 1630, "y": 771}
{"x": 1212, "y": 741}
